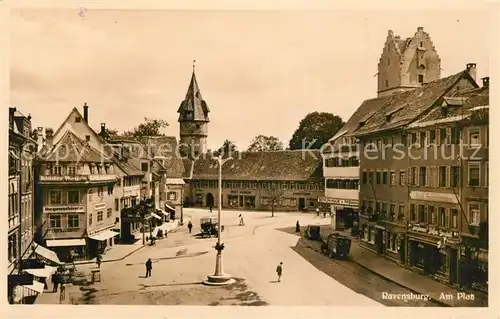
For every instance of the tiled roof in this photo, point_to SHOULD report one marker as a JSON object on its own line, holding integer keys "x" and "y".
{"x": 193, "y": 103}
{"x": 130, "y": 168}
{"x": 71, "y": 149}
{"x": 402, "y": 107}
{"x": 272, "y": 165}
{"x": 164, "y": 148}
{"x": 469, "y": 99}
{"x": 364, "y": 112}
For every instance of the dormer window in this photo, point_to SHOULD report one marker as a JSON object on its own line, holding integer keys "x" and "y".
{"x": 444, "y": 111}
{"x": 57, "y": 170}
{"x": 361, "y": 123}
{"x": 87, "y": 138}
{"x": 71, "y": 170}
{"x": 78, "y": 119}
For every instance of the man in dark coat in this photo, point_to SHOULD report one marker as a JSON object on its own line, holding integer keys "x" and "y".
{"x": 190, "y": 226}
{"x": 149, "y": 267}
{"x": 279, "y": 271}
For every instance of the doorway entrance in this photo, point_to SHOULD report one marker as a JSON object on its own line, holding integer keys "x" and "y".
{"x": 302, "y": 203}
{"x": 210, "y": 200}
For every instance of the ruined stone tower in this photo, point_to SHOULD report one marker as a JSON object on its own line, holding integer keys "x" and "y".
{"x": 407, "y": 64}
{"x": 193, "y": 120}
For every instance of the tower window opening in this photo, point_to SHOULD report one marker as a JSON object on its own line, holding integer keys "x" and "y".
{"x": 421, "y": 44}
{"x": 420, "y": 78}
{"x": 387, "y": 83}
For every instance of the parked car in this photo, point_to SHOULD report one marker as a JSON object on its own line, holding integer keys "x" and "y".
{"x": 336, "y": 246}
{"x": 312, "y": 232}
{"x": 209, "y": 226}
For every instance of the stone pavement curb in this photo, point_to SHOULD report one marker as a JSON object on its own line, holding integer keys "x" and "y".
{"x": 444, "y": 304}
{"x": 123, "y": 257}
{"x": 112, "y": 260}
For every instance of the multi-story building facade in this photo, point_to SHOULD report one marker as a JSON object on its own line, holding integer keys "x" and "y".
{"x": 22, "y": 150}
{"x": 250, "y": 179}
{"x": 169, "y": 166}
{"x": 410, "y": 199}
{"x": 341, "y": 168}
{"x": 76, "y": 184}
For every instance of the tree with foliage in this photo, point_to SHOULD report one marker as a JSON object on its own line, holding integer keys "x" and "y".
{"x": 274, "y": 197}
{"x": 227, "y": 148}
{"x": 150, "y": 127}
{"x": 315, "y": 130}
{"x": 263, "y": 143}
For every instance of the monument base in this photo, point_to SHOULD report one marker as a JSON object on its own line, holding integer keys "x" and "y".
{"x": 222, "y": 280}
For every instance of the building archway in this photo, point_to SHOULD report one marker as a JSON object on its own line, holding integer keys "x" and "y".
{"x": 210, "y": 200}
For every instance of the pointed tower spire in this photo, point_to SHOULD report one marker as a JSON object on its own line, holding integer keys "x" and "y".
{"x": 193, "y": 117}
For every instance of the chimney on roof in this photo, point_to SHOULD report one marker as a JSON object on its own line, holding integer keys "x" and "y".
{"x": 471, "y": 68}
{"x": 12, "y": 110}
{"x": 86, "y": 112}
{"x": 486, "y": 82}
{"x": 49, "y": 134}
{"x": 420, "y": 29}
{"x": 39, "y": 131}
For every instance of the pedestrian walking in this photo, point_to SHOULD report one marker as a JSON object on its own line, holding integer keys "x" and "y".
{"x": 297, "y": 227}
{"x": 98, "y": 260}
{"x": 317, "y": 211}
{"x": 190, "y": 226}
{"x": 279, "y": 271}
{"x": 62, "y": 294}
{"x": 149, "y": 267}
{"x": 55, "y": 282}
{"x": 241, "y": 220}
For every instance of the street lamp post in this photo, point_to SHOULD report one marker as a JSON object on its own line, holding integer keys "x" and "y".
{"x": 219, "y": 278}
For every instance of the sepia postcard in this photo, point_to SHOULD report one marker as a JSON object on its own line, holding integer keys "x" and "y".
{"x": 226, "y": 159}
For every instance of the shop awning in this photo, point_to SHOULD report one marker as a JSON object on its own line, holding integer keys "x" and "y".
{"x": 47, "y": 254}
{"x": 170, "y": 207}
{"x": 155, "y": 216}
{"x": 175, "y": 181}
{"x": 36, "y": 286}
{"x": 41, "y": 272}
{"x": 104, "y": 235}
{"x": 164, "y": 212}
{"x": 66, "y": 242}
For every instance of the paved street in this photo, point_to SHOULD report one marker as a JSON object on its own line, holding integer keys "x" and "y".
{"x": 252, "y": 252}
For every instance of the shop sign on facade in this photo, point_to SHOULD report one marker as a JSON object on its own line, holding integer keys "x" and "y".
{"x": 433, "y": 231}
{"x": 339, "y": 201}
{"x": 99, "y": 206}
{"x": 64, "y": 209}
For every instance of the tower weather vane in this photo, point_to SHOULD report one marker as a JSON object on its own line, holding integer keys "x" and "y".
{"x": 194, "y": 64}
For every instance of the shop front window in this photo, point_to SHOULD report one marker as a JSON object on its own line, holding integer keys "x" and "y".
{"x": 250, "y": 201}
{"x": 232, "y": 200}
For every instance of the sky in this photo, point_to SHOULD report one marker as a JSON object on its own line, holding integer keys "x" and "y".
{"x": 260, "y": 72}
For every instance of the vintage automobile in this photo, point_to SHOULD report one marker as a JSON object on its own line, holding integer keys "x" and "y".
{"x": 336, "y": 246}
{"x": 312, "y": 232}
{"x": 209, "y": 226}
